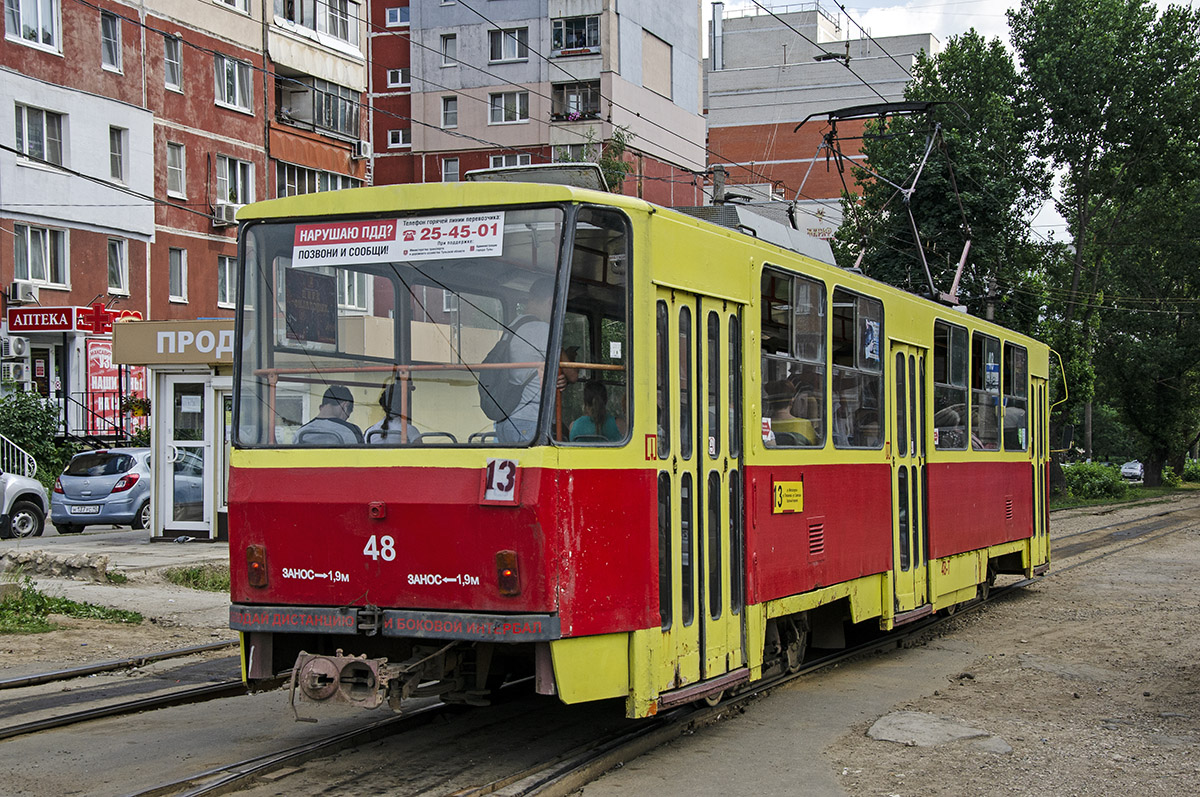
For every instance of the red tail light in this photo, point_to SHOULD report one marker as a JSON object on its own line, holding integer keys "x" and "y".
{"x": 124, "y": 483}
{"x": 508, "y": 577}
{"x": 256, "y": 565}
{"x": 58, "y": 485}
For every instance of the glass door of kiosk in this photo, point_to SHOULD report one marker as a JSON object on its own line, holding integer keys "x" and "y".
{"x": 184, "y": 472}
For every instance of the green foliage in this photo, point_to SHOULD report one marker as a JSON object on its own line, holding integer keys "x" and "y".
{"x": 1170, "y": 478}
{"x": 610, "y": 156}
{"x": 1094, "y": 480}
{"x": 32, "y": 423}
{"x": 1191, "y": 470}
{"x": 140, "y": 438}
{"x": 28, "y": 611}
{"x": 210, "y": 578}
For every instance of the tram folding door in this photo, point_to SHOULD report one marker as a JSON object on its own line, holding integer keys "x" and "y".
{"x": 699, "y": 442}
{"x": 910, "y": 529}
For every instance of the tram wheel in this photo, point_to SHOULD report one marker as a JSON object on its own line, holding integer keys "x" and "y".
{"x": 714, "y": 698}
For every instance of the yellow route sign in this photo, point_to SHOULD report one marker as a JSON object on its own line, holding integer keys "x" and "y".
{"x": 787, "y": 497}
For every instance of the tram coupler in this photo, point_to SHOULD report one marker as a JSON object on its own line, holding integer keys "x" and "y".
{"x": 356, "y": 680}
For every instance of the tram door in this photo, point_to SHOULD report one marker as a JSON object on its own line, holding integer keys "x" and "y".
{"x": 1040, "y": 447}
{"x": 701, "y": 581}
{"x": 910, "y": 529}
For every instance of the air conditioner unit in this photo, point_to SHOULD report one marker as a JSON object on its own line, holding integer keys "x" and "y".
{"x": 14, "y": 347}
{"x": 362, "y": 149}
{"x": 225, "y": 214}
{"x": 15, "y": 372}
{"x": 22, "y": 292}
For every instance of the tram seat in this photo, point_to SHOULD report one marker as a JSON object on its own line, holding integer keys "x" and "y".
{"x": 430, "y": 435}
{"x": 589, "y": 438}
{"x": 482, "y": 437}
{"x": 316, "y": 437}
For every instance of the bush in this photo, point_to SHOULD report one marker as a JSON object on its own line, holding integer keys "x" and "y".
{"x": 1170, "y": 478}
{"x": 1093, "y": 480}
{"x": 1191, "y": 470}
{"x": 32, "y": 423}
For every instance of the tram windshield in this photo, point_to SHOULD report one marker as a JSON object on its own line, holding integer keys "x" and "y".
{"x": 443, "y": 329}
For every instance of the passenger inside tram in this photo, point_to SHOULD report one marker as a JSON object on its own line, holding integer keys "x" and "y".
{"x": 595, "y": 425}
{"x": 396, "y": 427}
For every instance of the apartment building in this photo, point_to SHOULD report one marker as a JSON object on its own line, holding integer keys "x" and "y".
{"x": 457, "y": 86}
{"x": 133, "y": 133}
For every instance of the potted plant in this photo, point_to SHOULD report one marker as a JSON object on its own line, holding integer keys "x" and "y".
{"x": 137, "y": 406}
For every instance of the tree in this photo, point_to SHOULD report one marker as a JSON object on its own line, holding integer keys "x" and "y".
{"x": 1116, "y": 88}
{"x": 978, "y": 183}
{"x": 610, "y": 156}
{"x": 30, "y": 422}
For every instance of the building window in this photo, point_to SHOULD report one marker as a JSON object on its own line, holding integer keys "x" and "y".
{"x": 233, "y": 83}
{"x": 39, "y": 134}
{"x": 116, "y": 153}
{"x": 177, "y": 289}
{"x": 226, "y": 280}
{"x": 513, "y": 159}
{"x": 575, "y": 36}
{"x": 509, "y": 106}
{"x": 449, "y": 170}
{"x": 118, "y": 266}
{"x": 352, "y": 290}
{"x": 656, "y": 64}
{"x": 40, "y": 255}
{"x": 176, "y": 172}
{"x": 317, "y": 105}
{"x": 293, "y": 180}
{"x": 33, "y": 22}
{"x": 571, "y": 101}
{"x": 397, "y": 16}
{"x": 401, "y": 137}
{"x": 509, "y": 45}
{"x": 449, "y": 111}
{"x": 449, "y": 49}
{"x": 576, "y": 153}
{"x": 240, "y": 5}
{"x": 110, "y": 41}
{"x": 172, "y": 63}
{"x": 336, "y": 18}
{"x": 235, "y": 181}
{"x": 398, "y": 78}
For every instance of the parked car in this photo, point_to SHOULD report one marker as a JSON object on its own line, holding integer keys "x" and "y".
{"x": 1132, "y": 470}
{"x": 110, "y": 486}
{"x": 25, "y": 506}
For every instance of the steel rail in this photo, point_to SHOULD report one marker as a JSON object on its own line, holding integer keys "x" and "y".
{"x": 180, "y": 697}
{"x": 108, "y": 666}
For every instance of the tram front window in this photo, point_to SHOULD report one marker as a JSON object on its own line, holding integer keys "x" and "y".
{"x": 403, "y": 311}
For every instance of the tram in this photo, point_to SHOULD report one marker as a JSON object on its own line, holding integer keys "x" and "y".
{"x": 722, "y": 451}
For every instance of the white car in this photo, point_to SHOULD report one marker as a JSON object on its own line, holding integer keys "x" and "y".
{"x": 1132, "y": 470}
{"x": 25, "y": 506}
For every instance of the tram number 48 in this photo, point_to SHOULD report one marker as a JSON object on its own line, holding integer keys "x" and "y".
{"x": 380, "y": 548}
{"x": 500, "y": 480}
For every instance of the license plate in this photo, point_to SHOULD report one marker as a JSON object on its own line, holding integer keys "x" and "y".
{"x": 90, "y": 509}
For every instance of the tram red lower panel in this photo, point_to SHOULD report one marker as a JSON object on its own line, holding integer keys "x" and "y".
{"x": 976, "y": 504}
{"x": 843, "y": 532}
{"x": 586, "y": 541}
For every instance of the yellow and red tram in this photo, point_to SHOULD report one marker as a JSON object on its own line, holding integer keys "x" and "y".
{"x": 719, "y": 450}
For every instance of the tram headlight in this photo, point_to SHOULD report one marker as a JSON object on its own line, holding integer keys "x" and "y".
{"x": 508, "y": 576}
{"x": 256, "y": 565}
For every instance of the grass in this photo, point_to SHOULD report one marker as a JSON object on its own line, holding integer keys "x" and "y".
{"x": 209, "y": 578}
{"x": 1132, "y": 495}
{"x": 28, "y": 611}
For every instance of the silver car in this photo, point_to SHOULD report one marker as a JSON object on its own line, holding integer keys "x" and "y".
{"x": 25, "y": 506}
{"x": 110, "y": 486}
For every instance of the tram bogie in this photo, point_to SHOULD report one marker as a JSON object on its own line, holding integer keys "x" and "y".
{"x": 711, "y": 454}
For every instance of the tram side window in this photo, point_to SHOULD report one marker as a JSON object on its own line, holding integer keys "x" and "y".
{"x": 949, "y": 386}
{"x": 985, "y": 393}
{"x": 857, "y": 371}
{"x": 1016, "y": 393}
{"x": 595, "y": 348}
{"x": 793, "y": 360}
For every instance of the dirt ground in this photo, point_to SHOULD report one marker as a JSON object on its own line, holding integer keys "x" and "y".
{"x": 1092, "y": 679}
{"x": 1090, "y": 684}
